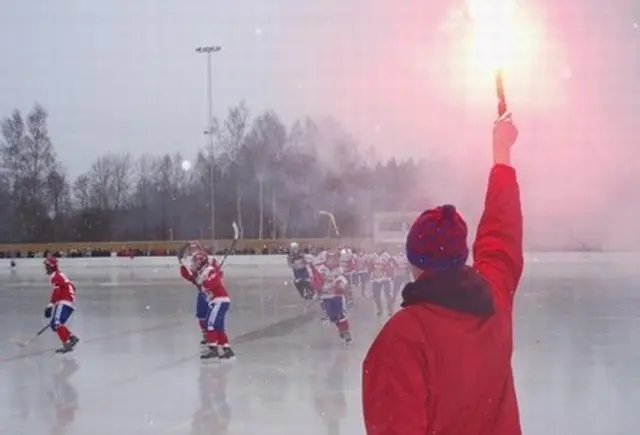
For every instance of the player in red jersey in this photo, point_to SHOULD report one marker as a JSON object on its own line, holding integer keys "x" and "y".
{"x": 332, "y": 294}
{"x": 202, "y": 306}
{"x": 348, "y": 266}
{"x": 364, "y": 267}
{"x": 381, "y": 278}
{"x": 401, "y": 273}
{"x": 61, "y": 305}
{"x": 207, "y": 276}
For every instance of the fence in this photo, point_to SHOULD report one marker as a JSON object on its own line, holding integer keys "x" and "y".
{"x": 252, "y": 245}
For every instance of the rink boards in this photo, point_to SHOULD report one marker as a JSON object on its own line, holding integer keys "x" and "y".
{"x": 275, "y": 260}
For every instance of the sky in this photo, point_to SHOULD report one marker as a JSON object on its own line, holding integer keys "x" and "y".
{"x": 123, "y": 76}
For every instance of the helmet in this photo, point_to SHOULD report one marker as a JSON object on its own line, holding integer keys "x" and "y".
{"x": 50, "y": 264}
{"x": 198, "y": 261}
{"x": 294, "y": 247}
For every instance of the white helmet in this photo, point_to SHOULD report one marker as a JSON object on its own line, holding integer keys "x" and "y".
{"x": 294, "y": 247}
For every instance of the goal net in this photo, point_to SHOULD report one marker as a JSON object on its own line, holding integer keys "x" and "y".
{"x": 391, "y": 228}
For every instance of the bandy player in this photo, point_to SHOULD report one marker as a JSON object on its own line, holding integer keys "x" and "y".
{"x": 207, "y": 276}
{"x": 202, "y": 306}
{"x": 61, "y": 305}
{"x": 332, "y": 293}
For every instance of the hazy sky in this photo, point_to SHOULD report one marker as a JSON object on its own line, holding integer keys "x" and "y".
{"x": 122, "y": 75}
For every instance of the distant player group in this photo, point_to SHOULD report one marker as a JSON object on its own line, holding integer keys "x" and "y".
{"x": 332, "y": 277}
{"x": 329, "y": 276}
{"x": 212, "y": 304}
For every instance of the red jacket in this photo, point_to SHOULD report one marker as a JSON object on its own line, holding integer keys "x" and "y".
{"x": 442, "y": 365}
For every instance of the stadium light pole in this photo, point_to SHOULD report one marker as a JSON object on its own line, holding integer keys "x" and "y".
{"x": 208, "y": 50}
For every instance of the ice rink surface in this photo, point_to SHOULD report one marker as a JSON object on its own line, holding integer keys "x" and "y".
{"x": 137, "y": 372}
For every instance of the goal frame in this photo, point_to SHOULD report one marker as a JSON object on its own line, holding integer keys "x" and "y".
{"x": 391, "y": 228}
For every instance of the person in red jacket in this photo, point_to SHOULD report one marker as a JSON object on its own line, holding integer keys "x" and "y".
{"x": 442, "y": 364}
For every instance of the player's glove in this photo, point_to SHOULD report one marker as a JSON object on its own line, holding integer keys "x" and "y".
{"x": 48, "y": 311}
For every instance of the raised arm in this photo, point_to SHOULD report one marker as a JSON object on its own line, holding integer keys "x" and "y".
{"x": 497, "y": 251}
{"x": 186, "y": 274}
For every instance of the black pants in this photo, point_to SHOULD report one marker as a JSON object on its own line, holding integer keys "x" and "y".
{"x": 304, "y": 288}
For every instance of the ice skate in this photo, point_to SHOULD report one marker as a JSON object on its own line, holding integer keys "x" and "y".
{"x": 347, "y": 337}
{"x": 308, "y": 294}
{"x": 68, "y": 345}
{"x": 211, "y": 352}
{"x": 227, "y": 353}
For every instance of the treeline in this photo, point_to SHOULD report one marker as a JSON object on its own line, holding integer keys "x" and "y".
{"x": 271, "y": 179}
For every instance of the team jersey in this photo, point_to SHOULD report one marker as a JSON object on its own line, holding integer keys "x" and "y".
{"x": 209, "y": 282}
{"x": 382, "y": 267}
{"x": 299, "y": 266}
{"x": 62, "y": 289}
{"x": 363, "y": 263}
{"x": 333, "y": 283}
{"x": 401, "y": 265}
{"x": 347, "y": 262}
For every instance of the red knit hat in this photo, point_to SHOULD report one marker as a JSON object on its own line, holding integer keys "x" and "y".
{"x": 437, "y": 240}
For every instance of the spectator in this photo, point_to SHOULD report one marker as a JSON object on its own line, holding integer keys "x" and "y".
{"x": 442, "y": 365}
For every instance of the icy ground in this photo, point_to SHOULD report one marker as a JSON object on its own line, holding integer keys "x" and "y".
{"x": 136, "y": 370}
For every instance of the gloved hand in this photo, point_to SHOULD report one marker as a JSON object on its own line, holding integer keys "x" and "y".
{"x": 48, "y": 311}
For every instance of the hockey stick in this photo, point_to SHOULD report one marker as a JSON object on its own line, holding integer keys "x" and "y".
{"x": 183, "y": 251}
{"x": 26, "y": 343}
{"x": 236, "y": 234}
{"x": 332, "y": 218}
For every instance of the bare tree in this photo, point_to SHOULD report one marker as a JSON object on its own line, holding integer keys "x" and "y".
{"x": 105, "y": 189}
{"x": 300, "y": 176}
{"x": 82, "y": 192}
{"x": 270, "y": 182}
{"x": 7, "y": 213}
{"x": 110, "y": 180}
{"x": 39, "y": 152}
{"x": 143, "y": 195}
{"x": 233, "y": 136}
{"x": 29, "y": 156}
{"x": 58, "y": 197}
{"x": 167, "y": 189}
{"x": 265, "y": 145}
{"x": 122, "y": 180}
{"x": 58, "y": 191}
